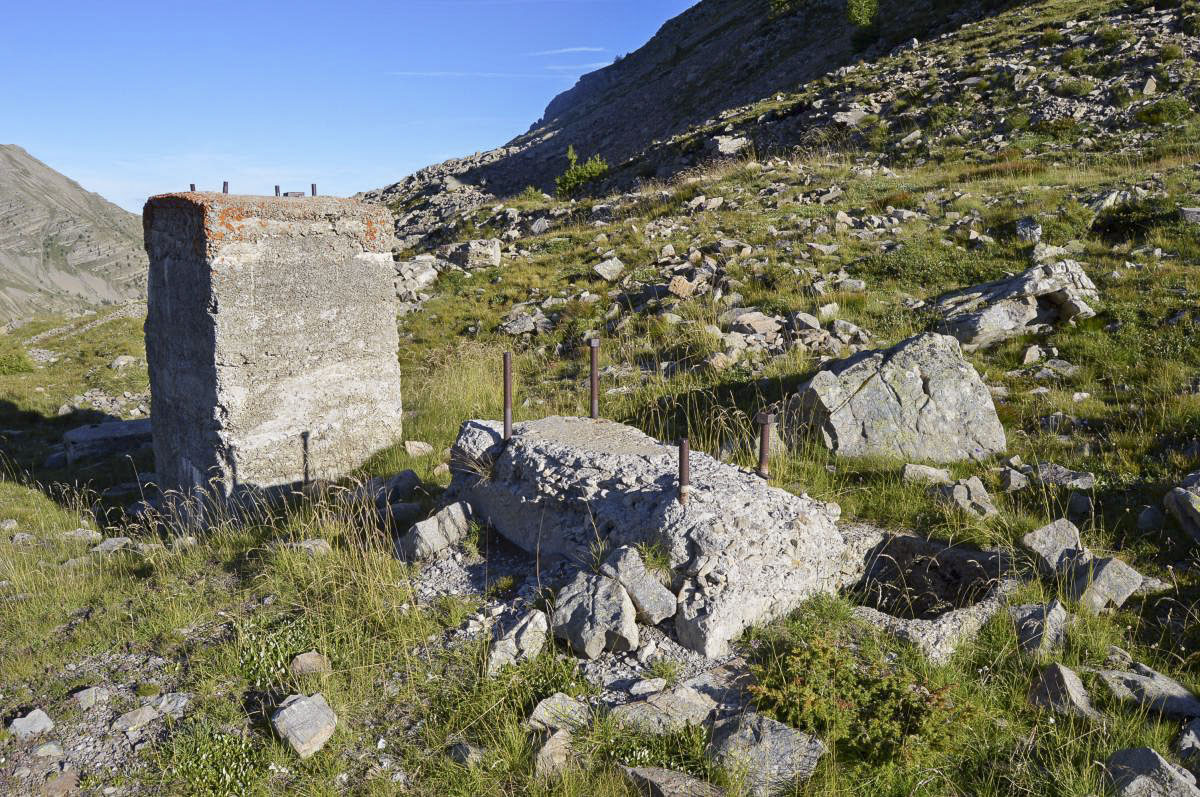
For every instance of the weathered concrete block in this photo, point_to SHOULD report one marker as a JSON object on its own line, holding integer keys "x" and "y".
{"x": 270, "y": 338}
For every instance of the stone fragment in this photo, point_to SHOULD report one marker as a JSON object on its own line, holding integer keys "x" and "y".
{"x": 653, "y": 602}
{"x": 1153, "y": 691}
{"x": 1033, "y": 301}
{"x": 968, "y": 495}
{"x": 657, "y": 782}
{"x": 1054, "y": 475}
{"x": 466, "y": 754}
{"x": 471, "y": 255}
{"x": 103, "y": 440}
{"x": 918, "y": 399}
{"x": 34, "y": 723}
{"x": 1029, "y": 230}
{"x": 1188, "y": 744}
{"x": 83, "y": 535}
{"x": 49, "y": 750}
{"x": 1102, "y": 583}
{"x": 923, "y": 474}
{"x": 1057, "y": 547}
{"x": 679, "y": 286}
{"x": 609, "y": 270}
{"x": 1183, "y": 503}
{"x": 310, "y": 663}
{"x": 744, "y": 551}
{"x": 173, "y": 704}
{"x": 558, "y": 712}
{"x": 313, "y": 548}
{"x": 432, "y": 536}
{"x": 771, "y": 755}
{"x": 270, "y": 339}
{"x": 60, "y": 785}
{"x": 1041, "y": 629}
{"x": 134, "y": 720}
{"x": 1190, "y": 215}
{"x": 647, "y": 686}
{"x": 523, "y": 640}
{"x": 663, "y": 712}
{"x": 417, "y": 448}
{"x": 593, "y": 614}
{"x": 1059, "y": 689}
{"x": 554, "y": 756}
{"x": 87, "y": 698}
{"x": 1141, "y": 772}
{"x": 1012, "y": 481}
{"x": 306, "y": 723}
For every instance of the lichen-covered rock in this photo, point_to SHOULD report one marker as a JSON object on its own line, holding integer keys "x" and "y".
{"x": 1102, "y": 583}
{"x": 1057, "y": 546}
{"x": 1041, "y": 628}
{"x": 1153, "y": 691}
{"x": 1141, "y": 772}
{"x": 917, "y": 400}
{"x": 522, "y": 640}
{"x": 1183, "y": 502}
{"x": 743, "y": 551}
{"x": 1059, "y": 689}
{"x": 1033, "y": 301}
{"x": 594, "y": 614}
{"x": 558, "y": 712}
{"x": 771, "y": 755}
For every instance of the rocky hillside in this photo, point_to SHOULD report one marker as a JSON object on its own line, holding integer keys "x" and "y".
{"x": 717, "y": 55}
{"x": 61, "y": 247}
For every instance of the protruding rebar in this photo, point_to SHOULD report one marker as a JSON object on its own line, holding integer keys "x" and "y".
{"x": 594, "y": 344}
{"x": 765, "y": 420}
{"x": 192, "y": 187}
{"x": 314, "y": 189}
{"x": 225, "y": 187}
{"x": 685, "y": 470}
{"x": 276, "y": 190}
{"x": 507, "y": 395}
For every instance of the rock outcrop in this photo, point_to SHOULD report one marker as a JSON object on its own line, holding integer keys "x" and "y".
{"x": 1034, "y": 301}
{"x": 742, "y": 552}
{"x": 1183, "y": 502}
{"x": 917, "y": 400}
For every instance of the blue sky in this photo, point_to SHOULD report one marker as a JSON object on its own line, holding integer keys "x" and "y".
{"x": 136, "y": 98}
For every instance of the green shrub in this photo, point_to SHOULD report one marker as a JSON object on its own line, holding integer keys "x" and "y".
{"x": 579, "y": 175}
{"x": 1073, "y": 57}
{"x": 938, "y": 116}
{"x": 1112, "y": 36}
{"x": 828, "y": 675}
{"x": 13, "y": 359}
{"x": 1076, "y": 87}
{"x": 1018, "y": 120}
{"x": 202, "y": 760}
{"x": 1170, "y": 52}
{"x": 1166, "y": 111}
{"x": 1051, "y": 37}
{"x": 862, "y": 12}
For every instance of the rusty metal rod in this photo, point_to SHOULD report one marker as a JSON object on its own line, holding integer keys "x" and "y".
{"x": 594, "y": 344}
{"x": 225, "y": 187}
{"x": 685, "y": 470}
{"x": 314, "y": 189}
{"x": 765, "y": 419}
{"x": 507, "y": 395}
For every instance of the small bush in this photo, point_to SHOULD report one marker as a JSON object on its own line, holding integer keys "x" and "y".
{"x": 13, "y": 359}
{"x": 579, "y": 175}
{"x": 1051, "y": 37}
{"x": 1112, "y": 36}
{"x": 1170, "y": 52}
{"x": 939, "y": 116}
{"x": 1168, "y": 110}
{"x": 862, "y": 12}
{"x": 1073, "y": 57}
{"x": 204, "y": 761}
{"x": 1018, "y": 120}
{"x": 1076, "y": 87}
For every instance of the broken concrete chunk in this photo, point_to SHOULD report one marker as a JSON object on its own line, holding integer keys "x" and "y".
{"x": 917, "y": 400}
{"x": 1056, "y": 546}
{"x": 772, "y": 756}
{"x": 1141, "y": 772}
{"x": 1040, "y": 629}
{"x": 1033, "y": 301}
{"x": 653, "y": 602}
{"x": 1153, "y": 691}
{"x": 434, "y": 535}
{"x": 1102, "y": 583}
{"x": 306, "y": 723}
{"x": 1059, "y": 689}
{"x": 516, "y": 643}
{"x": 656, "y": 782}
{"x": 594, "y": 614}
{"x": 969, "y": 495}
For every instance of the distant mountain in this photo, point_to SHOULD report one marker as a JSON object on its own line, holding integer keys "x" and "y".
{"x": 62, "y": 248}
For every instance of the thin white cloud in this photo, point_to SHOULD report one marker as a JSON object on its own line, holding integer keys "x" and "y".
{"x": 566, "y": 51}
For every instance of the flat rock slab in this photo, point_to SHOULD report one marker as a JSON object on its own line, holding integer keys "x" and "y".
{"x": 101, "y": 440}
{"x": 770, "y": 755}
{"x": 657, "y": 782}
{"x": 305, "y": 722}
{"x": 917, "y": 400}
{"x": 1152, "y": 691}
{"x": 742, "y": 551}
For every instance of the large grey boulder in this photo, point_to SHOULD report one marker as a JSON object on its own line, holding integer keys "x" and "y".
{"x": 434, "y": 535}
{"x": 1141, "y": 772}
{"x": 516, "y": 643}
{"x": 1102, "y": 583}
{"x": 306, "y": 723}
{"x": 471, "y": 255}
{"x": 653, "y": 601}
{"x": 1183, "y": 502}
{"x": 917, "y": 400}
{"x": 1153, "y": 691}
{"x": 742, "y": 551}
{"x": 594, "y": 614}
{"x": 30, "y": 725}
{"x": 1033, "y": 301}
{"x": 771, "y": 756}
{"x": 1057, "y": 547}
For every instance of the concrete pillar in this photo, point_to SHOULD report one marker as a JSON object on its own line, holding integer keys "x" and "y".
{"x": 270, "y": 337}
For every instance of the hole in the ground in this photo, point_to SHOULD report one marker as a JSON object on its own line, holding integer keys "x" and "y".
{"x": 915, "y": 579}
